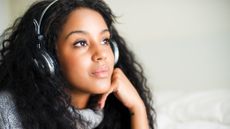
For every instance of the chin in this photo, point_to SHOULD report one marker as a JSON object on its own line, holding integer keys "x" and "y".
{"x": 102, "y": 88}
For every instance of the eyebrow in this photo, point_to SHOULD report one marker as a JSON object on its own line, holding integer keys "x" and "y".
{"x": 83, "y": 32}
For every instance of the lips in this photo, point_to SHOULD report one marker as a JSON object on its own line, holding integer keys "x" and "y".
{"x": 101, "y": 72}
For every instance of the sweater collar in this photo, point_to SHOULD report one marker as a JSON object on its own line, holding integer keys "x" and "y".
{"x": 87, "y": 118}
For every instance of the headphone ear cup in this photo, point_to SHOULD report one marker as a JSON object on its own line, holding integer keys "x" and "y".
{"x": 43, "y": 62}
{"x": 115, "y": 51}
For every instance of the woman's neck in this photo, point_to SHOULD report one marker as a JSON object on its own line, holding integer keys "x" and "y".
{"x": 79, "y": 100}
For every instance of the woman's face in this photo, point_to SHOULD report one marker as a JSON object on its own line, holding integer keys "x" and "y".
{"x": 84, "y": 53}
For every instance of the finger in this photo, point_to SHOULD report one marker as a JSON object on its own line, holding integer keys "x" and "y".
{"x": 103, "y": 98}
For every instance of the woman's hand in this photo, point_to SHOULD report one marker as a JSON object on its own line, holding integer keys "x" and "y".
{"x": 122, "y": 88}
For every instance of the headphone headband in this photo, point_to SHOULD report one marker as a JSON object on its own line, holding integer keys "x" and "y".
{"x": 38, "y": 24}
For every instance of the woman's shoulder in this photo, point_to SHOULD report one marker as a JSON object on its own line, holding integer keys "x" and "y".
{"x": 8, "y": 114}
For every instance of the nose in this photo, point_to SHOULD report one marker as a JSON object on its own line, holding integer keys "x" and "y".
{"x": 99, "y": 53}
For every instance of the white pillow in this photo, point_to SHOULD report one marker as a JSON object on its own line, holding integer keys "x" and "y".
{"x": 207, "y": 109}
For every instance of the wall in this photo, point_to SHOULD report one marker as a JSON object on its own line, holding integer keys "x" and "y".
{"x": 5, "y": 14}
{"x": 183, "y": 44}
{"x": 10, "y": 10}
{"x": 18, "y": 8}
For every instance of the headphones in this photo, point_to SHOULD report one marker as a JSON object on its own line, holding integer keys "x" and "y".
{"x": 43, "y": 61}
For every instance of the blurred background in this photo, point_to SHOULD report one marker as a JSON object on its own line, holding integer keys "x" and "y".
{"x": 184, "y": 47}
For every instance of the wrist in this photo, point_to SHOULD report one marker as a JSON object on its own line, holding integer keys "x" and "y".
{"x": 138, "y": 109}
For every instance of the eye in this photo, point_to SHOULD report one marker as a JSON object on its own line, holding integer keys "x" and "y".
{"x": 80, "y": 43}
{"x": 106, "y": 41}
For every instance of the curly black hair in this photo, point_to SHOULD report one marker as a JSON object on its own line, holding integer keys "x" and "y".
{"x": 41, "y": 100}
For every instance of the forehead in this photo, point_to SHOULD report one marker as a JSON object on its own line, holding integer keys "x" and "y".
{"x": 84, "y": 18}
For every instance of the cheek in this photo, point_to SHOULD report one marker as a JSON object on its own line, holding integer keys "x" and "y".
{"x": 72, "y": 65}
{"x": 77, "y": 65}
{"x": 77, "y": 71}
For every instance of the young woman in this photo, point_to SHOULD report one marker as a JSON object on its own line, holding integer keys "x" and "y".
{"x": 64, "y": 66}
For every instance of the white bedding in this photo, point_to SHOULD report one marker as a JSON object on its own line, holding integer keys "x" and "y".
{"x": 209, "y": 109}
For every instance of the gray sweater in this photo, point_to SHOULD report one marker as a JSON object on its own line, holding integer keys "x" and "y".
{"x": 8, "y": 115}
{"x": 9, "y": 118}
